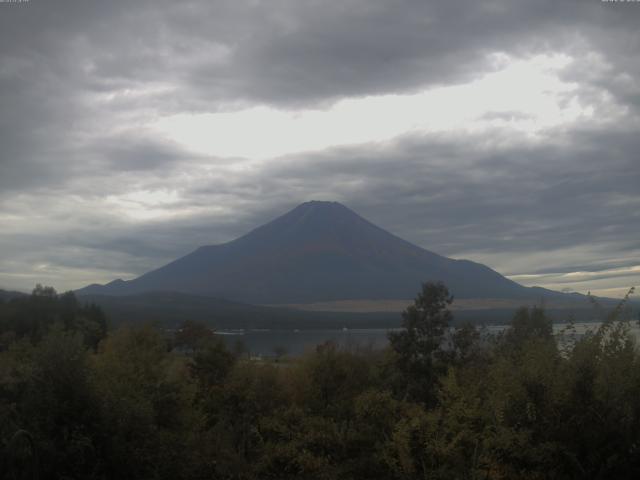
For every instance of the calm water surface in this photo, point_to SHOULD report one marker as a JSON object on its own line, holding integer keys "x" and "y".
{"x": 295, "y": 342}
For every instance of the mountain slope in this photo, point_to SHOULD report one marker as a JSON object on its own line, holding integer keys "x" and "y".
{"x": 319, "y": 251}
{"x": 9, "y": 295}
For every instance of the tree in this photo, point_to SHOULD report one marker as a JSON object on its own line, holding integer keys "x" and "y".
{"x": 419, "y": 346}
{"x": 465, "y": 345}
{"x": 528, "y": 324}
{"x": 55, "y": 406}
{"x": 44, "y": 292}
{"x": 146, "y": 400}
{"x": 191, "y": 336}
{"x": 211, "y": 363}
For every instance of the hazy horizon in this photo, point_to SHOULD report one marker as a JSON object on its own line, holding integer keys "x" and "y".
{"x": 505, "y": 132}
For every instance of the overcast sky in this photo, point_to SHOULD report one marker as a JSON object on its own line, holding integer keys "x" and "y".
{"x": 505, "y": 132}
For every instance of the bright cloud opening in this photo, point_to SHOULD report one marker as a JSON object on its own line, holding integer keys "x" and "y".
{"x": 145, "y": 204}
{"x": 526, "y": 95}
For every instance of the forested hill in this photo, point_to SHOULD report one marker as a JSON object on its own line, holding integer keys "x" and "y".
{"x": 171, "y": 308}
{"x": 8, "y": 295}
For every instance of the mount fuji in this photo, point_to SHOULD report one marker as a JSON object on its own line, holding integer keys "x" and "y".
{"x": 319, "y": 252}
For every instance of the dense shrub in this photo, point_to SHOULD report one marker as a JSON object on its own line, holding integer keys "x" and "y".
{"x": 76, "y": 402}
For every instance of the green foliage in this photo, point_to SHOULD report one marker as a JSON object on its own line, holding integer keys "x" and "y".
{"x": 211, "y": 364}
{"x": 438, "y": 403}
{"x": 33, "y": 316}
{"x": 46, "y": 392}
{"x": 420, "y": 356}
{"x": 528, "y": 324}
{"x": 191, "y": 336}
{"x": 145, "y": 404}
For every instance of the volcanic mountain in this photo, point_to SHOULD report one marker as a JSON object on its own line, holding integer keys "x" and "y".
{"x": 318, "y": 252}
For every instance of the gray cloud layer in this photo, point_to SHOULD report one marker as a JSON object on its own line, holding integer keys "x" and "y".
{"x": 77, "y": 78}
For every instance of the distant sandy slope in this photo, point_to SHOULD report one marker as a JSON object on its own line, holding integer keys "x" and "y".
{"x": 362, "y": 306}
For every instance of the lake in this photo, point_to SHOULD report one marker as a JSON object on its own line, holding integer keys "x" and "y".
{"x": 296, "y": 342}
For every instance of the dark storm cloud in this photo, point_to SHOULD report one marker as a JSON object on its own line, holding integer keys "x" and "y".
{"x": 78, "y": 79}
{"x": 449, "y": 195}
{"x": 441, "y": 192}
{"x": 455, "y": 197}
{"x": 300, "y": 52}
{"x": 292, "y": 52}
{"x": 131, "y": 153}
